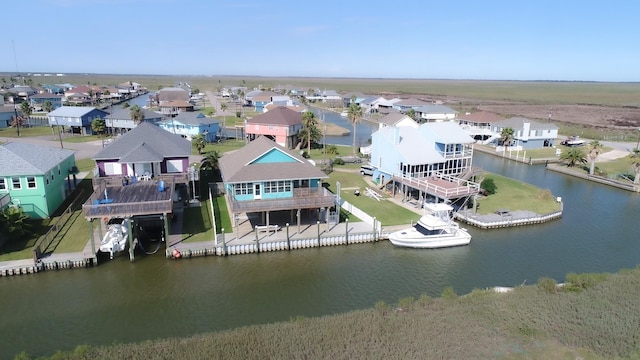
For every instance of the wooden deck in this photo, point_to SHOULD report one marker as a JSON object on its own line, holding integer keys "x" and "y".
{"x": 125, "y": 201}
{"x": 444, "y": 187}
{"x": 303, "y": 198}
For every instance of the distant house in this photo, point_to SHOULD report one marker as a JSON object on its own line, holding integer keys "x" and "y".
{"x": 173, "y": 94}
{"x": 37, "y": 101}
{"x": 264, "y": 177}
{"x": 479, "y": 125}
{"x": 261, "y": 99}
{"x": 174, "y": 107}
{"x": 119, "y": 121}
{"x": 432, "y": 158}
{"x": 6, "y": 116}
{"x": 53, "y": 89}
{"x": 23, "y": 91}
{"x": 188, "y": 124}
{"x": 280, "y": 124}
{"x": 435, "y": 113}
{"x": 405, "y": 105}
{"x": 76, "y": 118}
{"x": 352, "y": 97}
{"x": 36, "y": 177}
{"x": 325, "y": 96}
{"x": 528, "y": 134}
{"x": 397, "y": 119}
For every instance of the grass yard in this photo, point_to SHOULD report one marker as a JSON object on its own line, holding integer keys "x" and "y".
{"x": 386, "y": 212}
{"x": 12, "y": 132}
{"x": 222, "y": 147}
{"x": 516, "y": 195}
{"x": 196, "y": 222}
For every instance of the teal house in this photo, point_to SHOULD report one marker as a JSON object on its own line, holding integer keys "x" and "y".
{"x": 36, "y": 177}
{"x": 264, "y": 177}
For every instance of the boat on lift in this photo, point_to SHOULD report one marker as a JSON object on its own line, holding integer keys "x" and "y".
{"x": 116, "y": 238}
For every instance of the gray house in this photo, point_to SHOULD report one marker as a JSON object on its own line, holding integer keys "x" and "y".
{"x": 76, "y": 118}
{"x": 119, "y": 120}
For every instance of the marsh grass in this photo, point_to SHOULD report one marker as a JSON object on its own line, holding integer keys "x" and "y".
{"x": 599, "y": 321}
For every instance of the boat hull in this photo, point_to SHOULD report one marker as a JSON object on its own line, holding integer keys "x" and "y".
{"x": 415, "y": 239}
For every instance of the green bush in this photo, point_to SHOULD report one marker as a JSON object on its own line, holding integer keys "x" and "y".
{"x": 548, "y": 285}
{"x": 338, "y": 161}
{"x": 489, "y": 186}
{"x": 448, "y": 293}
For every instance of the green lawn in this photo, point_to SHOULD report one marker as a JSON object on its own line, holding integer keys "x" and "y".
{"x": 26, "y": 132}
{"x": 196, "y": 222}
{"x": 222, "y": 147}
{"x": 516, "y": 195}
{"x": 385, "y": 211}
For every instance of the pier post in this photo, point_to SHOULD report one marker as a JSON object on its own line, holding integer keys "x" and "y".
{"x": 346, "y": 232}
{"x": 288, "y": 240}
{"x": 224, "y": 245}
{"x": 167, "y": 231}
{"x": 374, "y": 229}
{"x": 131, "y": 255}
{"x": 93, "y": 239}
{"x": 257, "y": 240}
{"x": 268, "y": 224}
{"x": 318, "y": 224}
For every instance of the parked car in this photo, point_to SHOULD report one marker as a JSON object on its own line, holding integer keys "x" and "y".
{"x": 366, "y": 170}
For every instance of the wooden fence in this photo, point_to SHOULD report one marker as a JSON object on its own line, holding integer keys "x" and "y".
{"x": 45, "y": 241}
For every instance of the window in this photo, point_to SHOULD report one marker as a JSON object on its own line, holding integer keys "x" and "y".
{"x": 243, "y": 189}
{"x": 3, "y": 184}
{"x": 31, "y": 182}
{"x": 15, "y": 183}
{"x": 277, "y": 186}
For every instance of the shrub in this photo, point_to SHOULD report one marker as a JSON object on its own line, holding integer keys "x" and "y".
{"x": 548, "y": 285}
{"x": 381, "y": 307}
{"x": 406, "y": 303}
{"x": 424, "y": 300}
{"x": 489, "y": 186}
{"x": 578, "y": 282}
{"x": 305, "y": 154}
{"x": 448, "y": 293}
{"x": 338, "y": 161}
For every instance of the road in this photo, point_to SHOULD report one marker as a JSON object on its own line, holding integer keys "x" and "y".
{"x": 83, "y": 150}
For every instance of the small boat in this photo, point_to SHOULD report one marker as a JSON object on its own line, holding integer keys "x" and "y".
{"x": 344, "y": 114}
{"x": 435, "y": 229}
{"x": 116, "y": 238}
{"x": 573, "y": 141}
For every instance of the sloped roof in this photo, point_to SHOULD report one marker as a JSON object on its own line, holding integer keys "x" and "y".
{"x": 435, "y": 109}
{"x": 238, "y": 166}
{"x": 446, "y": 132}
{"x": 277, "y": 116}
{"x": 125, "y": 114}
{"x": 393, "y": 118}
{"x": 73, "y": 111}
{"x": 17, "y": 158}
{"x": 150, "y": 141}
{"x": 517, "y": 123}
{"x": 191, "y": 118}
{"x": 411, "y": 102}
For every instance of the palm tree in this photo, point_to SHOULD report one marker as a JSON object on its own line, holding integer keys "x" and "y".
{"x": 136, "y": 114}
{"x": 595, "y": 148}
{"x": 47, "y": 106}
{"x": 507, "y": 136}
{"x": 310, "y": 124}
{"x": 223, "y": 107}
{"x": 26, "y": 110}
{"x": 210, "y": 161}
{"x": 573, "y": 157}
{"x": 635, "y": 162}
{"x": 354, "y": 114}
{"x": 412, "y": 114}
{"x": 14, "y": 223}
{"x": 198, "y": 141}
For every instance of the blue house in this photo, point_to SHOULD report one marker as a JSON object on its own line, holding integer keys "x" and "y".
{"x": 37, "y": 101}
{"x": 189, "y": 124}
{"x": 6, "y": 116}
{"x": 264, "y": 177}
{"x": 77, "y": 118}
{"x": 434, "y": 158}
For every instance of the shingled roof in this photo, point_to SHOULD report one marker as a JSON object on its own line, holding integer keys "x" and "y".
{"x": 17, "y": 158}
{"x": 146, "y": 142}
{"x": 278, "y": 116}
{"x": 239, "y": 166}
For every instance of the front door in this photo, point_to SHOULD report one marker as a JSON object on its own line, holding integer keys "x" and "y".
{"x": 256, "y": 191}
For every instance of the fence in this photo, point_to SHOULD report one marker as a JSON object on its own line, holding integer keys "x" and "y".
{"x": 45, "y": 241}
{"x": 508, "y": 222}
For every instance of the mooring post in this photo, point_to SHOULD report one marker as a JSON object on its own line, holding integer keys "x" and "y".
{"x": 167, "y": 230}
{"x": 131, "y": 255}
{"x": 257, "y": 240}
{"x": 93, "y": 239}
{"x": 374, "y": 229}
{"x": 223, "y": 241}
{"x": 318, "y": 226}
{"x": 346, "y": 232}
{"x": 224, "y": 245}
{"x": 288, "y": 240}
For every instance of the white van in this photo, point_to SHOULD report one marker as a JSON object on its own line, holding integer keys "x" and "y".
{"x": 366, "y": 170}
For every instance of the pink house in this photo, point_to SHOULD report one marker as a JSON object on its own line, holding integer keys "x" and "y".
{"x": 280, "y": 124}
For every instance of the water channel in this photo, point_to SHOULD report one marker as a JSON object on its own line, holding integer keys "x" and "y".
{"x": 120, "y": 301}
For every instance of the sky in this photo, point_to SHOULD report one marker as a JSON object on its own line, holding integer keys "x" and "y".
{"x": 465, "y": 39}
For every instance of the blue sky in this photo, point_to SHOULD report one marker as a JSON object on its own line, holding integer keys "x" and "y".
{"x": 501, "y": 40}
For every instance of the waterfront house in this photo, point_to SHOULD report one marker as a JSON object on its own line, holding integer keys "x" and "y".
{"x": 37, "y": 101}
{"x": 435, "y": 113}
{"x": 6, "y": 115}
{"x": 145, "y": 151}
{"x": 352, "y": 97}
{"x": 279, "y": 124}
{"x": 172, "y": 94}
{"x": 264, "y": 177}
{"x": 77, "y": 118}
{"x": 37, "y": 178}
{"x": 188, "y": 124}
{"x": 479, "y": 125}
{"x": 527, "y": 134}
{"x": 119, "y": 120}
{"x": 405, "y": 105}
{"x": 260, "y": 100}
{"x": 433, "y": 158}
{"x": 174, "y": 107}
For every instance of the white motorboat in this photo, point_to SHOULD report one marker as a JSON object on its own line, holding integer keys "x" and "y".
{"x": 435, "y": 229}
{"x": 344, "y": 113}
{"x": 116, "y": 238}
{"x": 573, "y": 141}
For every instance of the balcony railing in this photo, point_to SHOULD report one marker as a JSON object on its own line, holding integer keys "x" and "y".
{"x": 303, "y": 198}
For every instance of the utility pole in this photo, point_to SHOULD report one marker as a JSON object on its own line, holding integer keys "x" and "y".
{"x": 18, "y": 120}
